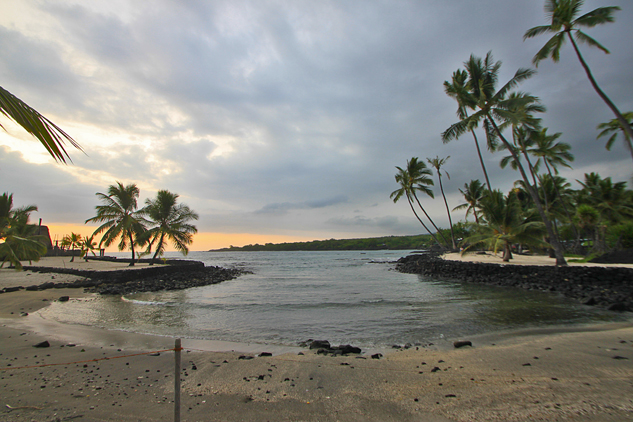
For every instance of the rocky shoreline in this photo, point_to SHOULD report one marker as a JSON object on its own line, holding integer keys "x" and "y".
{"x": 611, "y": 288}
{"x": 173, "y": 275}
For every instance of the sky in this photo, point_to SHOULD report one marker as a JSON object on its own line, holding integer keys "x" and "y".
{"x": 281, "y": 120}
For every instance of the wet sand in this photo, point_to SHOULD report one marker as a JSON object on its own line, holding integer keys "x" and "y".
{"x": 581, "y": 374}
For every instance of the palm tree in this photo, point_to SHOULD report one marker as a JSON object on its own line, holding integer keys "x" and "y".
{"x": 72, "y": 241}
{"x": 414, "y": 177}
{"x": 50, "y": 135}
{"x": 20, "y": 239}
{"x": 553, "y": 154}
{"x": 120, "y": 217}
{"x": 612, "y": 200}
{"x": 504, "y": 225}
{"x": 473, "y": 192}
{"x": 494, "y": 105}
{"x": 437, "y": 163}
{"x": 564, "y": 21}
{"x": 613, "y": 127}
{"x": 88, "y": 245}
{"x": 171, "y": 223}
{"x": 458, "y": 90}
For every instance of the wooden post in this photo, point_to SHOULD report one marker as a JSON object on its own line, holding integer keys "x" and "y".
{"x": 177, "y": 350}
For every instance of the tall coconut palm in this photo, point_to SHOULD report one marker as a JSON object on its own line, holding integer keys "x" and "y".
{"x": 416, "y": 177}
{"x": 458, "y": 90}
{"x": 19, "y": 239}
{"x": 565, "y": 20}
{"x": 473, "y": 192}
{"x": 614, "y": 127}
{"x": 504, "y": 225}
{"x": 50, "y": 135}
{"x": 120, "y": 217}
{"x": 437, "y": 163}
{"x": 171, "y": 223}
{"x": 496, "y": 105}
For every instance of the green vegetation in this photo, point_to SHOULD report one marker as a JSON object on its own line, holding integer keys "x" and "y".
{"x": 368, "y": 244}
{"x": 19, "y": 240}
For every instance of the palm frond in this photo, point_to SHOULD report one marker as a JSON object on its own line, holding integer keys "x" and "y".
{"x": 48, "y": 133}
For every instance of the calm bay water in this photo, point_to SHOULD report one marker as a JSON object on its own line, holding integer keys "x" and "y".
{"x": 344, "y": 297}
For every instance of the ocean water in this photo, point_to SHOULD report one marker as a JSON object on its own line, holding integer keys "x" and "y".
{"x": 349, "y": 297}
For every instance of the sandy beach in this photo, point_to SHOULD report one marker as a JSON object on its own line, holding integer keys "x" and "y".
{"x": 557, "y": 374}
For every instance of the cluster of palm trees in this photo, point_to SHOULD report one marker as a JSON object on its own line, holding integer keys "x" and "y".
{"x": 161, "y": 221}
{"x": 500, "y": 110}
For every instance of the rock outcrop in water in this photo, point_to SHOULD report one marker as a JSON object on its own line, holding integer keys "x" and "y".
{"x": 608, "y": 287}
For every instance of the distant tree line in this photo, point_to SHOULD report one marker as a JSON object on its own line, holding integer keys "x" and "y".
{"x": 423, "y": 241}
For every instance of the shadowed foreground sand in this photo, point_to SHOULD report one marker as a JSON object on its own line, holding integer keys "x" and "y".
{"x": 583, "y": 374}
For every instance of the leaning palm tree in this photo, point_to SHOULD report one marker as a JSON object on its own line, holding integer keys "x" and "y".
{"x": 564, "y": 21}
{"x": 473, "y": 192}
{"x": 614, "y": 127}
{"x": 48, "y": 133}
{"x": 120, "y": 217}
{"x": 496, "y": 105}
{"x": 457, "y": 89}
{"x": 409, "y": 184}
{"x": 171, "y": 222}
{"x": 437, "y": 163}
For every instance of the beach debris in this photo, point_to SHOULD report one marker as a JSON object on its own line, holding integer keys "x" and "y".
{"x": 22, "y": 407}
{"x": 45, "y": 343}
{"x": 151, "y": 354}
{"x": 462, "y": 343}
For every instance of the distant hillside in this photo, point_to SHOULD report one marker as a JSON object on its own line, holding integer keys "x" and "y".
{"x": 374, "y": 243}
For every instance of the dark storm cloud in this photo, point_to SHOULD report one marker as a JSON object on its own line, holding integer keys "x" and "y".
{"x": 282, "y": 208}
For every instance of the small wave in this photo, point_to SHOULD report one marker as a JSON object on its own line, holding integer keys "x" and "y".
{"x": 147, "y": 302}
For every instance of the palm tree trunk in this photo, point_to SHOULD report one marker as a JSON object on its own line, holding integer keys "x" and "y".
{"x": 450, "y": 221}
{"x": 481, "y": 160}
{"x": 558, "y": 249}
{"x": 430, "y": 219}
{"x": 159, "y": 246}
{"x": 131, "y": 247}
{"x": 507, "y": 252}
{"x": 625, "y": 125}
{"x": 560, "y": 198}
{"x": 421, "y": 222}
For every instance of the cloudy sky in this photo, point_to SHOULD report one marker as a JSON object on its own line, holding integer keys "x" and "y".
{"x": 280, "y": 120}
